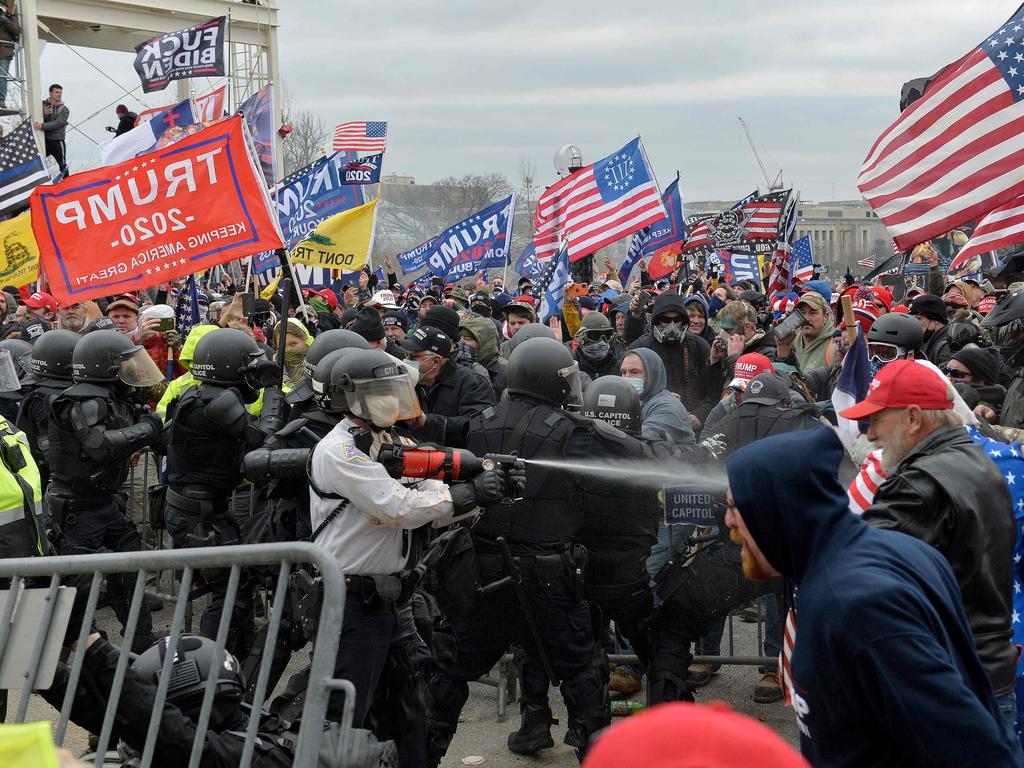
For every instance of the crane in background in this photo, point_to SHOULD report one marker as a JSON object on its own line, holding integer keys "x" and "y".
{"x": 772, "y": 185}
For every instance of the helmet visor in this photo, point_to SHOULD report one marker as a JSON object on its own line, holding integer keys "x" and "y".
{"x": 137, "y": 369}
{"x": 384, "y": 401}
{"x": 571, "y": 374}
{"x": 8, "y": 372}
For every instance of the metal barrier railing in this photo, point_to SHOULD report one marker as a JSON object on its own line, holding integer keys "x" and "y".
{"x": 188, "y": 562}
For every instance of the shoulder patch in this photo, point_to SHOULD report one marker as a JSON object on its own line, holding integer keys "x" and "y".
{"x": 353, "y": 455}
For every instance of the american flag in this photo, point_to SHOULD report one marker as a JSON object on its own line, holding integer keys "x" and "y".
{"x": 868, "y": 263}
{"x": 779, "y": 279}
{"x": 186, "y": 308}
{"x": 361, "y": 136}
{"x": 551, "y": 284}
{"x": 997, "y": 229}
{"x": 21, "y": 168}
{"x": 599, "y": 204}
{"x": 958, "y": 151}
{"x": 801, "y": 260}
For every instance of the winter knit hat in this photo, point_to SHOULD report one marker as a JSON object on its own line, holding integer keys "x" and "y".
{"x": 982, "y": 362}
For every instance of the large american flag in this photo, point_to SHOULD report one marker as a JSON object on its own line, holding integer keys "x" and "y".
{"x": 958, "y": 151}
{"x": 997, "y": 229}
{"x": 21, "y": 168}
{"x": 361, "y": 136}
{"x": 599, "y": 204}
{"x": 801, "y": 260}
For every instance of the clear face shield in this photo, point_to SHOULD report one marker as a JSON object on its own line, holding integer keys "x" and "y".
{"x": 571, "y": 374}
{"x": 9, "y": 381}
{"x": 137, "y": 369}
{"x": 384, "y": 401}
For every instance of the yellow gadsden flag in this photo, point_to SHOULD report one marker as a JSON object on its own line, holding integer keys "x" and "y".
{"x": 342, "y": 241}
{"x": 19, "y": 254}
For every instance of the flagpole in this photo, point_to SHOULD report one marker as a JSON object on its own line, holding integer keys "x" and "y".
{"x": 248, "y": 275}
{"x": 508, "y": 247}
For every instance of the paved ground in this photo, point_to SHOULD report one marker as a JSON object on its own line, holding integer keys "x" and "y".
{"x": 481, "y": 733}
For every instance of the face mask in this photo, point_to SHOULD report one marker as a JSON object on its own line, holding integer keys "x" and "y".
{"x": 466, "y": 354}
{"x": 668, "y": 331}
{"x": 714, "y": 305}
{"x": 293, "y": 361}
{"x": 928, "y": 335}
{"x": 875, "y": 365}
{"x": 384, "y": 410}
{"x": 596, "y": 350}
{"x": 638, "y": 385}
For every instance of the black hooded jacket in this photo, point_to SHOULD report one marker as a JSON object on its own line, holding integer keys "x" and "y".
{"x": 687, "y": 363}
{"x": 884, "y": 667}
{"x": 947, "y": 493}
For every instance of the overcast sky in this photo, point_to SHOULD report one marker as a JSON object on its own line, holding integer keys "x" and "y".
{"x": 468, "y": 87}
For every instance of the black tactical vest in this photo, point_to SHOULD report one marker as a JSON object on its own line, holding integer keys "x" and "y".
{"x": 551, "y": 508}
{"x": 73, "y": 470}
{"x": 201, "y": 452}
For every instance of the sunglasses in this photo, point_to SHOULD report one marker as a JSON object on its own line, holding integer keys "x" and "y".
{"x": 955, "y": 373}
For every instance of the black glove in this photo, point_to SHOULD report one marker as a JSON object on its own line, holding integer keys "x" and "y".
{"x": 154, "y": 421}
{"x": 515, "y": 477}
{"x": 486, "y": 488}
{"x": 263, "y": 373}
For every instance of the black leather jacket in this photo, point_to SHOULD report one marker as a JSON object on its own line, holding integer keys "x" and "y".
{"x": 947, "y": 493}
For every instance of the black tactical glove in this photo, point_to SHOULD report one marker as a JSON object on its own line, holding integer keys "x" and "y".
{"x": 515, "y": 478}
{"x": 263, "y": 373}
{"x": 486, "y": 488}
{"x": 154, "y": 421}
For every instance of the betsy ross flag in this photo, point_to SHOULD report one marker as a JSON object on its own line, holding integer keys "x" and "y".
{"x": 957, "y": 152}
{"x": 801, "y": 261}
{"x": 21, "y": 168}
{"x": 997, "y": 229}
{"x": 361, "y": 136}
{"x": 601, "y": 203}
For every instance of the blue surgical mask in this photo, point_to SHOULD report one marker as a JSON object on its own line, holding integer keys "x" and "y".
{"x": 638, "y": 385}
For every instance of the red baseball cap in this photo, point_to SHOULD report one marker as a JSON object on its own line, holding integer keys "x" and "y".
{"x": 748, "y": 366}
{"x": 900, "y": 384}
{"x": 42, "y": 301}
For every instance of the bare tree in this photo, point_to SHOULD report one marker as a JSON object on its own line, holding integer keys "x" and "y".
{"x": 527, "y": 179}
{"x": 309, "y": 135}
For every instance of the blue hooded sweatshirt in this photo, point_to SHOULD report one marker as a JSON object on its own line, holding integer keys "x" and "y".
{"x": 662, "y": 413}
{"x": 884, "y": 667}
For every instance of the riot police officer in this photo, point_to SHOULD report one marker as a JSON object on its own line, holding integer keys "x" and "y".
{"x": 366, "y": 519}
{"x": 531, "y": 541}
{"x": 10, "y": 400}
{"x": 209, "y": 433}
{"x": 50, "y": 374}
{"x": 95, "y": 426}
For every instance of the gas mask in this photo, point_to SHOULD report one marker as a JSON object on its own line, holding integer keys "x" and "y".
{"x": 669, "y": 332}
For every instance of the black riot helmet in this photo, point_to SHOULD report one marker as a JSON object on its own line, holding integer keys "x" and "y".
{"x": 546, "y": 370}
{"x": 1006, "y": 321}
{"x": 329, "y": 341}
{"x": 531, "y": 331}
{"x": 960, "y": 334}
{"x": 21, "y": 352}
{"x": 327, "y": 398}
{"x": 106, "y": 357}
{"x": 222, "y": 356}
{"x": 615, "y": 400}
{"x": 51, "y": 355}
{"x": 897, "y": 328}
{"x": 195, "y": 661}
{"x": 377, "y": 387}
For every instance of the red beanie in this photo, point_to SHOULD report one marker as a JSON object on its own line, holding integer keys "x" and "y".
{"x": 681, "y": 735}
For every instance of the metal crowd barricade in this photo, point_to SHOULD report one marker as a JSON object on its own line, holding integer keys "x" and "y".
{"x": 187, "y": 561}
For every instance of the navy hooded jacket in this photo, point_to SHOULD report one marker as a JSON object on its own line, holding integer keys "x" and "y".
{"x": 884, "y": 666}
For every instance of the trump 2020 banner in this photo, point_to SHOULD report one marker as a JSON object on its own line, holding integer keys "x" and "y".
{"x": 479, "y": 242}
{"x": 194, "y": 52}
{"x": 313, "y": 193}
{"x": 167, "y": 214}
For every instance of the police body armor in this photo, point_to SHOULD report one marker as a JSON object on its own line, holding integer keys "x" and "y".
{"x": 20, "y": 496}
{"x": 202, "y": 450}
{"x": 551, "y": 509}
{"x": 75, "y": 470}
{"x": 33, "y": 416}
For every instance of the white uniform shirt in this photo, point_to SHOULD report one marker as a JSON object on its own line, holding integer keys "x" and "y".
{"x": 367, "y": 537}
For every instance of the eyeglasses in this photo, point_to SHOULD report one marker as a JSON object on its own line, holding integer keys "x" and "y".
{"x": 955, "y": 373}
{"x": 882, "y": 352}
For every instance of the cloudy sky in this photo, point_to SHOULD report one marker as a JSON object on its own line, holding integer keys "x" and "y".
{"x": 468, "y": 87}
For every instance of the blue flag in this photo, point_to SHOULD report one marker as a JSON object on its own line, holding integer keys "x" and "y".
{"x": 362, "y": 170}
{"x": 659, "y": 242}
{"x": 528, "y": 265}
{"x": 851, "y": 387}
{"x": 261, "y": 262}
{"x": 414, "y": 260}
{"x": 381, "y": 277}
{"x": 739, "y": 266}
{"x": 479, "y": 242}
{"x": 312, "y": 194}
{"x": 551, "y": 285}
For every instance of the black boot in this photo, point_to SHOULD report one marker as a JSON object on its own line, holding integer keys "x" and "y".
{"x": 534, "y": 732}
